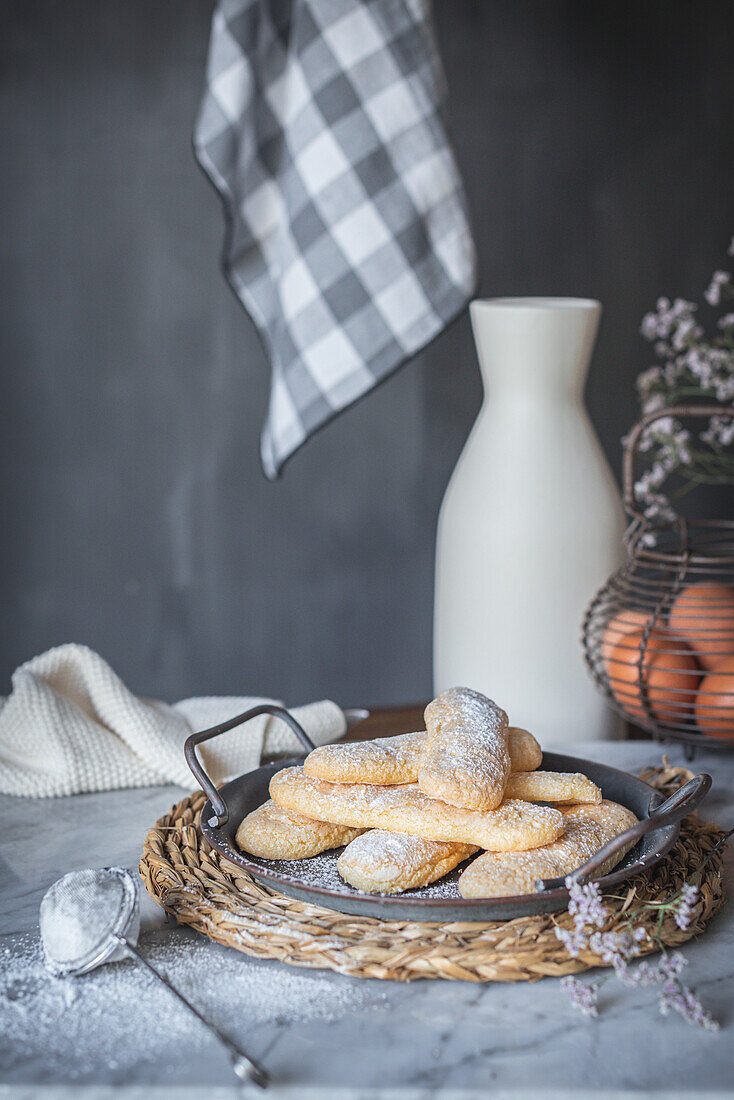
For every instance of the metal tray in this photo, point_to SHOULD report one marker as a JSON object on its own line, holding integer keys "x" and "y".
{"x": 316, "y": 880}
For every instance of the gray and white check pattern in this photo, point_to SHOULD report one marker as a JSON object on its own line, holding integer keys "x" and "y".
{"x": 347, "y": 235}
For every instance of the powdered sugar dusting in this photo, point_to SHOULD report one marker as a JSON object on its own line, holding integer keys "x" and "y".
{"x": 118, "y": 1016}
{"x": 319, "y": 871}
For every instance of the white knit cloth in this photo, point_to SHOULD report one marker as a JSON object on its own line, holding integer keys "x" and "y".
{"x": 70, "y": 726}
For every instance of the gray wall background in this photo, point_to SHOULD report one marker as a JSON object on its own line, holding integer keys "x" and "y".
{"x": 596, "y": 141}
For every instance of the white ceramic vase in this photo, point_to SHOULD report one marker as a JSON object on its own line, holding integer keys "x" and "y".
{"x": 531, "y": 524}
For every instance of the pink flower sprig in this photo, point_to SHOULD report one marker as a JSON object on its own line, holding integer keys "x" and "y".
{"x": 692, "y": 367}
{"x": 676, "y": 997}
{"x": 584, "y": 996}
{"x": 618, "y": 948}
{"x": 683, "y": 912}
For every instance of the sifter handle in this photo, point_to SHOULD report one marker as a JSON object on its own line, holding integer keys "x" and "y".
{"x": 244, "y": 1067}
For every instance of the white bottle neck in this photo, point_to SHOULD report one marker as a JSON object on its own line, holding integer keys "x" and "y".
{"x": 534, "y": 349}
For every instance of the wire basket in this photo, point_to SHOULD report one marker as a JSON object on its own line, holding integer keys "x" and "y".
{"x": 659, "y": 636}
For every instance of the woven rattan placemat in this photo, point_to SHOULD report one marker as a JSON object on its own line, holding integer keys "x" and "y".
{"x": 197, "y": 886}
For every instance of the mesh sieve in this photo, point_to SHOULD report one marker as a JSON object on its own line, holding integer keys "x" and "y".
{"x": 83, "y": 914}
{"x": 92, "y": 917}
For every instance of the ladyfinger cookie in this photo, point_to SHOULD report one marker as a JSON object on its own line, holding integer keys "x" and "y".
{"x": 391, "y": 760}
{"x": 386, "y": 760}
{"x": 379, "y": 862}
{"x": 513, "y": 826}
{"x": 552, "y": 787}
{"x": 588, "y": 828}
{"x": 273, "y": 833}
{"x": 466, "y": 762}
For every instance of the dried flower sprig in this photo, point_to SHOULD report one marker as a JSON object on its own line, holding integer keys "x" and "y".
{"x": 617, "y": 948}
{"x": 694, "y": 367}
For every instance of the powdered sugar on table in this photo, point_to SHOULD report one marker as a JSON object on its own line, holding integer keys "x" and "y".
{"x": 118, "y": 1017}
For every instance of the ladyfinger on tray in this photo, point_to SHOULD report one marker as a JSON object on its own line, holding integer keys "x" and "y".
{"x": 588, "y": 828}
{"x": 466, "y": 762}
{"x": 273, "y": 833}
{"x": 514, "y": 825}
{"x": 388, "y": 863}
{"x": 552, "y": 787}
{"x": 386, "y": 760}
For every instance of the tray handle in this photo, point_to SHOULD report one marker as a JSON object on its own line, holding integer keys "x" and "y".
{"x": 219, "y": 806}
{"x": 669, "y": 812}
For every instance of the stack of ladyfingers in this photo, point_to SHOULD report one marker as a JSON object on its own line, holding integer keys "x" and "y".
{"x": 411, "y": 808}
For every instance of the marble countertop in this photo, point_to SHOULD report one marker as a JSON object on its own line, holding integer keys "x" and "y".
{"x": 320, "y": 1034}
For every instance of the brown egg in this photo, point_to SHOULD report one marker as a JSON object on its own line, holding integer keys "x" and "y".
{"x": 624, "y": 622}
{"x": 670, "y": 675}
{"x": 715, "y": 701}
{"x": 703, "y": 615}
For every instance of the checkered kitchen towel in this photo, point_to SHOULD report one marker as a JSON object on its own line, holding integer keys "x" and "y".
{"x": 347, "y": 239}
